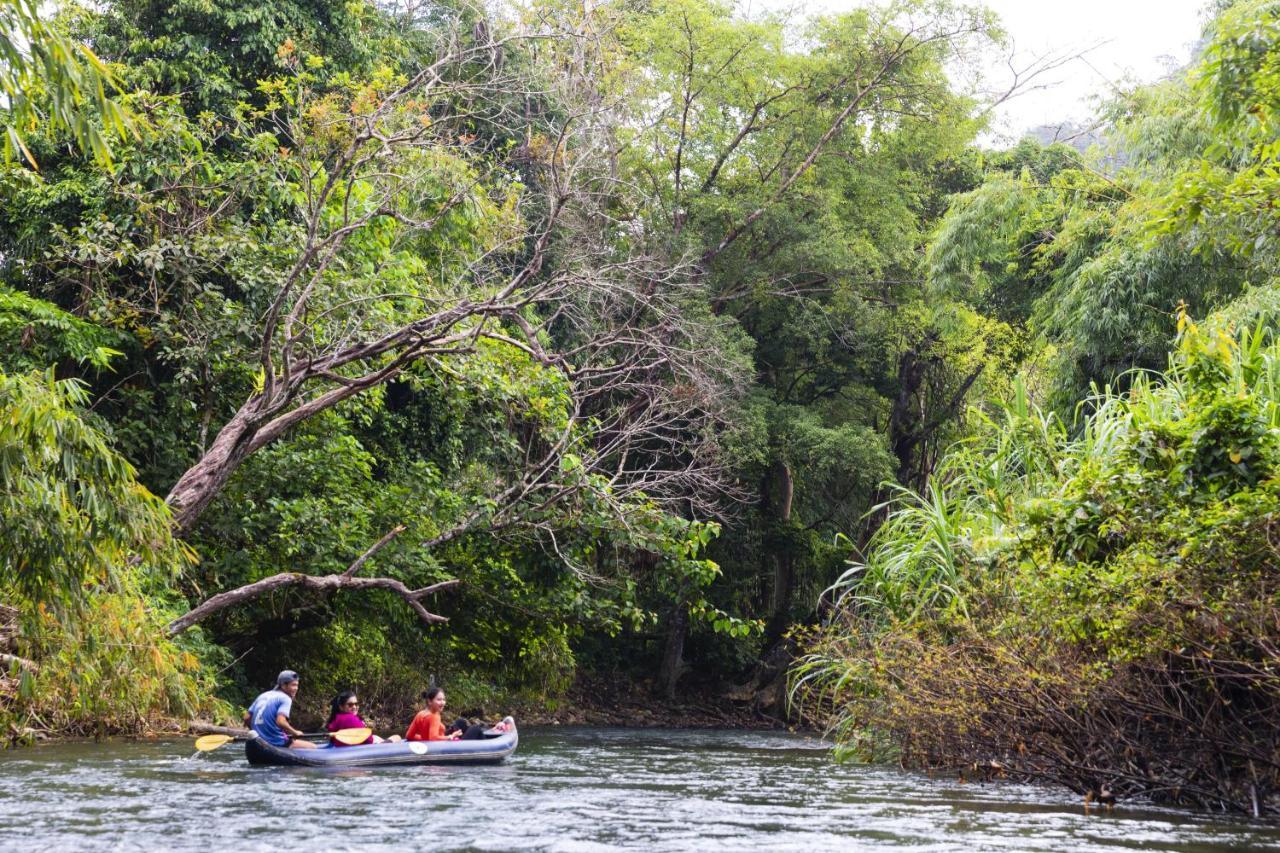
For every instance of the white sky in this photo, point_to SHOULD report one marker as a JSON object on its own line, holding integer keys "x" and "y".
{"x": 1136, "y": 40}
{"x": 1131, "y": 40}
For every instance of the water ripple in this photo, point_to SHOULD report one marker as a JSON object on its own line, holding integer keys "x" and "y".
{"x": 565, "y": 791}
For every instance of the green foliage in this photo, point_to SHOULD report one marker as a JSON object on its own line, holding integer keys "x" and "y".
{"x": 1217, "y": 201}
{"x": 86, "y": 567}
{"x": 1110, "y": 549}
{"x": 112, "y": 670}
{"x": 35, "y": 333}
{"x": 824, "y": 288}
{"x": 1093, "y": 253}
{"x": 71, "y": 512}
{"x": 214, "y": 54}
{"x": 47, "y": 78}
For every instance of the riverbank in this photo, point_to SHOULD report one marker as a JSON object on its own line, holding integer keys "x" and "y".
{"x": 597, "y": 701}
{"x": 594, "y": 702}
{"x": 590, "y": 701}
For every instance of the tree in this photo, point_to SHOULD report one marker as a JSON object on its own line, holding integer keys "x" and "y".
{"x": 357, "y": 211}
{"x": 71, "y": 512}
{"x": 397, "y": 174}
{"x": 1061, "y": 246}
{"x": 794, "y": 177}
{"x": 1217, "y": 204}
{"x": 45, "y": 76}
{"x": 385, "y": 181}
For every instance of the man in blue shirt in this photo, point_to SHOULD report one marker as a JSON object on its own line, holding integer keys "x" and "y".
{"x": 269, "y": 714}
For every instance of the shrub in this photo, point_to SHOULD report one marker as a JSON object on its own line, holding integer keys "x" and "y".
{"x": 1100, "y": 611}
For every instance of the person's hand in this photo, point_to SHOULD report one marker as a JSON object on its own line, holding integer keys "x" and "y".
{"x": 455, "y": 735}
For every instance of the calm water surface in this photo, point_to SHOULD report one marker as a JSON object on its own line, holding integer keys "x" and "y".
{"x": 564, "y": 790}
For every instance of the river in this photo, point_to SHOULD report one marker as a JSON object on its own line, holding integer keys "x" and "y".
{"x": 564, "y": 790}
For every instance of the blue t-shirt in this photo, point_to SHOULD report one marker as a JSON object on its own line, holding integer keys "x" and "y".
{"x": 263, "y": 712}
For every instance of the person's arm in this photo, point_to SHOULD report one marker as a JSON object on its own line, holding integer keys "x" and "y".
{"x": 283, "y": 721}
{"x": 435, "y": 730}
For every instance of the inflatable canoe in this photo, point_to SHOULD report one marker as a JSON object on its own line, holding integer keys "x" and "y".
{"x": 492, "y": 749}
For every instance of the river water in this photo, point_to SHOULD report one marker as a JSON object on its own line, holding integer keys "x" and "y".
{"x": 564, "y": 790}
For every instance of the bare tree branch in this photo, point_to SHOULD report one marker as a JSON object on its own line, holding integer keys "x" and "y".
{"x": 325, "y": 583}
{"x": 355, "y": 567}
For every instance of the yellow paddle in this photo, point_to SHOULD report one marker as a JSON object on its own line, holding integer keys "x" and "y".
{"x": 211, "y": 742}
{"x": 351, "y": 737}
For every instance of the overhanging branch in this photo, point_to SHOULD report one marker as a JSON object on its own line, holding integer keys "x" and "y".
{"x": 323, "y": 583}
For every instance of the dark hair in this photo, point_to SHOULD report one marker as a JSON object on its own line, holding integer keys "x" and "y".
{"x": 337, "y": 704}
{"x": 432, "y": 692}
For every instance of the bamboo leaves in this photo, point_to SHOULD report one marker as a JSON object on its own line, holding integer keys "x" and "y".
{"x": 71, "y": 513}
{"x": 73, "y": 84}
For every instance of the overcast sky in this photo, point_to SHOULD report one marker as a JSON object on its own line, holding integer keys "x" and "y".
{"x": 1137, "y": 39}
{"x": 1131, "y": 40}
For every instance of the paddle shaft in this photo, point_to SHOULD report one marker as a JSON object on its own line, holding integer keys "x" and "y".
{"x": 208, "y": 743}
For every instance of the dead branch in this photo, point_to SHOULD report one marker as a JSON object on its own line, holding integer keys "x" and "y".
{"x": 324, "y": 583}
{"x": 199, "y": 727}
{"x": 21, "y": 662}
{"x": 373, "y": 549}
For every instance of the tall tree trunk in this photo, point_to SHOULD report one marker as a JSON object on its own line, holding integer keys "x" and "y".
{"x": 673, "y": 654}
{"x": 916, "y": 419}
{"x": 202, "y": 482}
{"x": 907, "y": 415}
{"x": 779, "y": 494}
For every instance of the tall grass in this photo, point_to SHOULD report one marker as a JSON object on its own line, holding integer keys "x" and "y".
{"x": 1052, "y": 579}
{"x": 921, "y": 560}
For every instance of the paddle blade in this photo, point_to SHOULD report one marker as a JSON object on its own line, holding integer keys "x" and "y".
{"x": 351, "y": 737}
{"x": 208, "y": 742}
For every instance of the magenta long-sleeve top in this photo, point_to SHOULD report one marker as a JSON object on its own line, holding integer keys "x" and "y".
{"x": 346, "y": 721}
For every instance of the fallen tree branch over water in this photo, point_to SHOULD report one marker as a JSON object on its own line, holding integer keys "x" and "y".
{"x": 198, "y": 727}
{"x": 324, "y": 583}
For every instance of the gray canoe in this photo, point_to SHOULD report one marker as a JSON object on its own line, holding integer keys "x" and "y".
{"x": 491, "y": 749}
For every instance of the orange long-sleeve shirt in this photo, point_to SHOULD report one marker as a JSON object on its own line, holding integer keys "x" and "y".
{"x": 425, "y": 726}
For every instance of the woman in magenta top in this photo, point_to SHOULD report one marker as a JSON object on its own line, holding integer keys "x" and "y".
{"x": 343, "y": 714}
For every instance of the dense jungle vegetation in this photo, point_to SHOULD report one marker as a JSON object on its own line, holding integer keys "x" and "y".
{"x": 1086, "y": 590}
{"x": 655, "y": 342}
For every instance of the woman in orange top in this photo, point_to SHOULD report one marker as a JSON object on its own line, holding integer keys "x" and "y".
{"x": 427, "y": 725}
